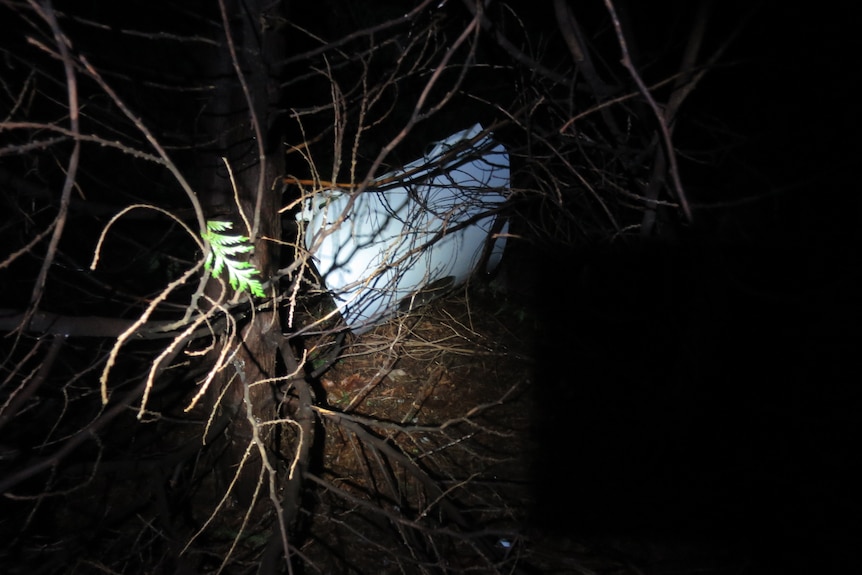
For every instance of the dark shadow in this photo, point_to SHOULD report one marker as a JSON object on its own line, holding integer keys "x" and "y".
{"x": 692, "y": 394}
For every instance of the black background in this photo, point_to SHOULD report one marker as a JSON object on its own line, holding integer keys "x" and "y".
{"x": 708, "y": 389}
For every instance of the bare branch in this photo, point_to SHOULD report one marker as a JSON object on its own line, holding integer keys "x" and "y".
{"x": 63, "y": 45}
{"x": 660, "y": 116}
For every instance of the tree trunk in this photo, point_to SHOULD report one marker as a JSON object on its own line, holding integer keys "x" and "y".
{"x": 238, "y": 118}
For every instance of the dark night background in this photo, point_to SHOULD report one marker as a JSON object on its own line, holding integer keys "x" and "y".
{"x": 709, "y": 390}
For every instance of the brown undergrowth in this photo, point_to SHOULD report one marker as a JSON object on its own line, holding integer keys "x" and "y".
{"x": 426, "y": 439}
{"x": 427, "y": 449}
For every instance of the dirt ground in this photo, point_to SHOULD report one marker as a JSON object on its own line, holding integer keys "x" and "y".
{"x": 448, "y": 386}
{"x": 453, "y": 388}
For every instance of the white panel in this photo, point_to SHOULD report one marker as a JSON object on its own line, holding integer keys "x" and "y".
{"x": 380, "y": 255}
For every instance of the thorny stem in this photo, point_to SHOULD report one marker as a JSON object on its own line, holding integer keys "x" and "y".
{"x": 46, "y": 11}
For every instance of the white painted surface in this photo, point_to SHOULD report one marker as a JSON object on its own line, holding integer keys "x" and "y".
{"x": 387, "y": 247}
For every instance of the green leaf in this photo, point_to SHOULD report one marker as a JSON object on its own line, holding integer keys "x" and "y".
{"x": 222, "y": 248}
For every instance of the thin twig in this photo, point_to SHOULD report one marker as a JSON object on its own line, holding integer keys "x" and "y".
{"x": 662, "y": 122}
{"x": 46, "y": 12}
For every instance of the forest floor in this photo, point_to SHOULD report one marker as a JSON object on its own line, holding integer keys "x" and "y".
{"x": 455, "y": 387}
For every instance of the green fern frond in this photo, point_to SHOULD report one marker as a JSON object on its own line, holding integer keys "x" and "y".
{"x": 223, "y": 248}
